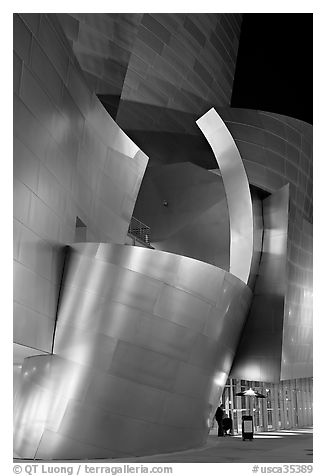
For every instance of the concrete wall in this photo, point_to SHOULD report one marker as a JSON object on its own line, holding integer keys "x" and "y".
{"x": 70, "y": 159}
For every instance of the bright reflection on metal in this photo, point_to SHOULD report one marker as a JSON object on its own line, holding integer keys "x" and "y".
{"x": 236, "y": 189}
{"x": 265, "y": 323}
{"x": 220, "y": 379}
{"x": 142, "y": 356}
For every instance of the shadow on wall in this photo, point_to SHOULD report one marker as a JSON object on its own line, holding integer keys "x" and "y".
{"x": 185, "y": 207}
{"x": 166, "y": 135}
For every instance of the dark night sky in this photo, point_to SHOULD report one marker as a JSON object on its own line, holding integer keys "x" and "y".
{"x": 274, "y": 66}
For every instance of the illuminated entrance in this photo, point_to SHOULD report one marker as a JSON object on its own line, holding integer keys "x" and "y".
{"x": 287, "y": 404}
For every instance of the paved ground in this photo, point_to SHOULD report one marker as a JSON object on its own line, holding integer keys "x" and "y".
{"x": 285, "y": 446}
{"x": 293, "y": 446}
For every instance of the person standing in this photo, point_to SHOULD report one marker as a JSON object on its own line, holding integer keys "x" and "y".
{"x": 227, "y": 424}
{"x": 219, "y": 417}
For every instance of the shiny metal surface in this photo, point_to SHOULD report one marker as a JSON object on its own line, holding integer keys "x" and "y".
{"x": 257, "y": 211}
{"x": 236, "y": 189}
{"x": 142, "y": 353}
{"x": 59, "y": 124}
{"x": 21, "y": 352}
{"x": 297, "y": 348}
{"x": 144, "y": 58}
{"x": 156, "y": 73}
{"x": 260, "y": 350}
{"x": 103, "y": 45}
{"x": 277, "y": 150}
{"x": 196, "y": 221}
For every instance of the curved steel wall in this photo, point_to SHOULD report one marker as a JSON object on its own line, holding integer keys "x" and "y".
{"x": 102, "y": 43}
{"x": 156, "y": 73}
{"x": 277, "y": 150}
{"x": 179, "y": 60}
{"x": 70, "y": 159}
{"x": 260, "y": 350}
{"x": 183, "y": 60}
{"x": 58, "y": 125}
{"x": 144, "y": 344}
{"x": 181, "y": 65}
{"x": 237, "y": 192}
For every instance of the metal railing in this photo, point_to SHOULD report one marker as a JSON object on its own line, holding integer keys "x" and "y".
{"x": 139, "y": 230}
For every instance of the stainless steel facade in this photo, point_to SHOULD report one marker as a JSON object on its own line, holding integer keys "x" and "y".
{"x": 143, "y": 346}
{"x": 276, "y": 151}
{"x": 157, "y": 73}
{"x": 297, "y": 348}
{"x": 196, "y": 221}
{"x": 237, "y": 192}
{"x": 135, "y": 60}
{"x": 70, "y": 159}
{"x": 260, "y": 351}
{"x": 133, "y": 357}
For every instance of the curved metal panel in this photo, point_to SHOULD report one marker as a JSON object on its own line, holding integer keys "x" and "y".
{"x": 139, "y": 70}
{"x": 277, "y": 150}
{"x": 142, "y": 355}
{"x": 237, "y": 192}
{"x": 59, "y": 123}
{"x": 260, "y": 349}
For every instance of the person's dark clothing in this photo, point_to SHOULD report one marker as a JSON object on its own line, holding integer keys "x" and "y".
{"x": 219, "y": 417}
{"x": 227, "y": 425}
{"x": 219, "y": 413}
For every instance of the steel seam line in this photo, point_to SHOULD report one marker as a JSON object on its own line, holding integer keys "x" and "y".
{"x": 236, "y": 189}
